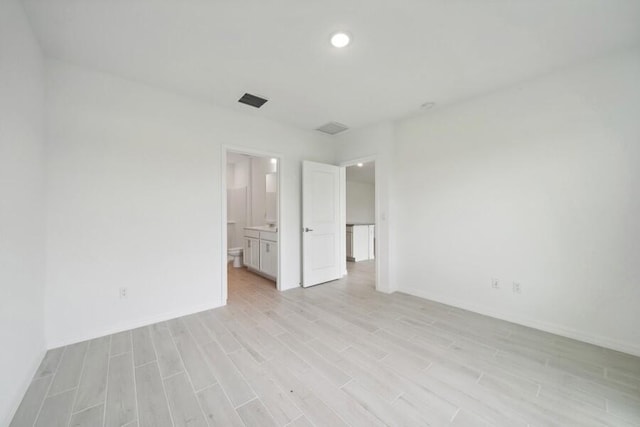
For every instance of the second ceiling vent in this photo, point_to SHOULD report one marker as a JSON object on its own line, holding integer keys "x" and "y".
{"x": 332, "y": 128}
{"x": 253, "y": 100}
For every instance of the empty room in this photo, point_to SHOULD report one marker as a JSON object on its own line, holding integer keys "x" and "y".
{"x": 336, "y": 213}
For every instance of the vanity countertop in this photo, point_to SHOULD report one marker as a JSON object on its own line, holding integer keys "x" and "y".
{"x": 263, "y": 228}
{"x": 360, "y": 223}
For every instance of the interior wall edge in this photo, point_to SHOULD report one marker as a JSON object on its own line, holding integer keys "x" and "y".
{"x": 553, "y": 328}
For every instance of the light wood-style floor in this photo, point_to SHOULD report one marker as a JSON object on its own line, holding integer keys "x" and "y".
{"x": 333, "y": 355}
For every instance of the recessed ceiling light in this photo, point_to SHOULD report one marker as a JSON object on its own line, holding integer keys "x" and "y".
{"x": 360, "y": 165}
{"x": 428, "y": 105}
{"x": 340, "y": 39}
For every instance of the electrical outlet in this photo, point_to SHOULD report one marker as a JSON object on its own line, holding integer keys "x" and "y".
{"x": 123, "y": 292}
{"x": 517, "y": 288}
{"x": 495, "y": 284}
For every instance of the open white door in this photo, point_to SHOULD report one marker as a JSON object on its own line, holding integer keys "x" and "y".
{"x": 320, "y": 223}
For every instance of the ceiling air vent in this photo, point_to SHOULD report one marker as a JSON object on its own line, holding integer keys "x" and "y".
{"x": 254, "y": 101}
{"x": 332, "y": 128}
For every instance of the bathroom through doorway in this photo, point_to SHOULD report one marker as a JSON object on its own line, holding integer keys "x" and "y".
{"x": 251, "y": 198}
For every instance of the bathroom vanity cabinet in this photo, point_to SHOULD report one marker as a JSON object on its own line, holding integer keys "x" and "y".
{"x": 251, "y": 252}
{"x": 269, "y": 258}
{"x": 261, "y": 251}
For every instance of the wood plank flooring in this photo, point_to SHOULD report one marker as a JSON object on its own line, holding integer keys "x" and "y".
{"x": 338, "y": 354}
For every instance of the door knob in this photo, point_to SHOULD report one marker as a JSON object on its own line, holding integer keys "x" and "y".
{"x": 307, "y": 229}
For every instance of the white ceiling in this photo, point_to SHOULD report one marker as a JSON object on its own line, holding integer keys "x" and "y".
{"x": 366, "y": 173}
{"x": 404, "y": 52}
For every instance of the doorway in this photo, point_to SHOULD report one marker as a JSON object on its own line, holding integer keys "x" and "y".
{"x": 359, "y": 212}
{"x": 251, "y": 220}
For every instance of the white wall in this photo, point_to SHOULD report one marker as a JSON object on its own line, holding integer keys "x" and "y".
{"x": 236, "y": 216}
{"x": 361, "y": 200}
{"x": 231, "y": 173}
{"x": 242, "y": 173}
{"x": 259, "y": 169}
{"x": 21, "y": 207}
{"x": 238, "y": 201}
{"x": 134, "y": 199}
{"x": 537, "y": 184}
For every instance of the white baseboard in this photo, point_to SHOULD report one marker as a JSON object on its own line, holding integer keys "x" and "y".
{"x": 564, "y": 331}
{"x": 21, "y": 389}
{"x": 137, "y": 323}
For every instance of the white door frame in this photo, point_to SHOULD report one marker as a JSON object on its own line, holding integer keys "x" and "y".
{"x": 343, "y": 209}
{"x": 226, "y": 148}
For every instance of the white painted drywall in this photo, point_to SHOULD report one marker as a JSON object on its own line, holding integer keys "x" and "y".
{"x": 238, "y": 199}
{"x": 134, "y": 197}
{"x": 21, "y": 206}
{"x": 259, "y": 169}
{"x": 236, "y": 216}
{"x": 361, "y": 200}
{"x": 538, "y": 184}
{"x": 375, "y": 141}
{"x": 241, "y": 180}
{"x": 242, "y": 173}
{"x": 231, "y": 172}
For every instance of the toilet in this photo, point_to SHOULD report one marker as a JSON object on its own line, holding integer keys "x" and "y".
{"x": 236, "y": 254}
